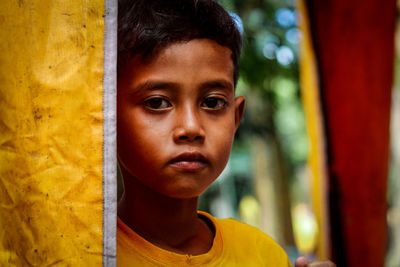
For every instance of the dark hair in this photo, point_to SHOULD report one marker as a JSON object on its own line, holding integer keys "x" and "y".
{"x": 147, "y": 26}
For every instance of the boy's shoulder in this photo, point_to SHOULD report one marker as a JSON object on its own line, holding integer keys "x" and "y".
{"x": 246, "y": 242}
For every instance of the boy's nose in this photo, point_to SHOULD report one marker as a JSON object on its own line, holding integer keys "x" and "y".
{"x": 189, "y": 128}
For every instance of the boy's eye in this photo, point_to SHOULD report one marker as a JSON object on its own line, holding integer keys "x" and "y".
{"x": 214, "y": 103}
{"x": 157, "y": 103}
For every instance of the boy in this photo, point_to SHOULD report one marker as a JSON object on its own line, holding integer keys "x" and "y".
{"x": 177, "y": 116}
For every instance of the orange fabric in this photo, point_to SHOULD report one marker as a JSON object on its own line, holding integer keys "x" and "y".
{"x": 354, "y": 44}
{"x": 235, "y": 244}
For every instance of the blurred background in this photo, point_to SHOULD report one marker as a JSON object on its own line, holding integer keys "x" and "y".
{"x": 267, "y": 182}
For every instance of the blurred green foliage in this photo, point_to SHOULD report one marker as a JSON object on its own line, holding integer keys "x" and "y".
{"x": 269, "y": 75}
{"x": 269, "y": 79}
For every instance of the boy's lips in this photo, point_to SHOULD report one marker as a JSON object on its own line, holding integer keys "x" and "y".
{"x": 189, "y": 161}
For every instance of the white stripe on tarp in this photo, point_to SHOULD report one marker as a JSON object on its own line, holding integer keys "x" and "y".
{"x": 109, "y": 134}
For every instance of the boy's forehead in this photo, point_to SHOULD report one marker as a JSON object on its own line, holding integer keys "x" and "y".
{"x": 190, "y": 58}
{"x": 197, "y": 50}
{"x": 179, "y": 45}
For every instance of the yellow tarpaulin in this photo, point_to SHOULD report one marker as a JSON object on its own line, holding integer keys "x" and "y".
{"x": 51, "y": 132}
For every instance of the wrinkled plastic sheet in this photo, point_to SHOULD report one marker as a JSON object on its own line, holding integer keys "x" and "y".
{"x": 56, "y": 158}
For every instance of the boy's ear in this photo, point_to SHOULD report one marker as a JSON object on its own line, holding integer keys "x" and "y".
{"x": 240, "y": 103}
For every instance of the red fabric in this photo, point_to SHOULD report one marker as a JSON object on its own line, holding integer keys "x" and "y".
{"x": 354, "y": 43}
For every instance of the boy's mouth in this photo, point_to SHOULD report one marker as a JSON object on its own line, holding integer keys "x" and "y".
{"x": 189, "y": 161}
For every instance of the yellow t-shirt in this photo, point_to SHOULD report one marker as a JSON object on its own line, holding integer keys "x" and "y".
{"x": 235, "y": 244}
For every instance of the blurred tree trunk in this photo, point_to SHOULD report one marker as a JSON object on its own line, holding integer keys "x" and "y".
{"x": 272, "y": 190}
{"x": 354, "y": 44}
{"x": 270, "y": 172}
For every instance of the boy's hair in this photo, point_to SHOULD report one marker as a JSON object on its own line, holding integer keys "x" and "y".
{"x": 145, "y": 27}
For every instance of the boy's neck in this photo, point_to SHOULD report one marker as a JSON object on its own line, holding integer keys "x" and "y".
{"x": 169, "y": 223}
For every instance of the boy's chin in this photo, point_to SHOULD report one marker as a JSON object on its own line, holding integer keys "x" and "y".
{"x": 184, "y": 186}
{"x": 183, "y": 192}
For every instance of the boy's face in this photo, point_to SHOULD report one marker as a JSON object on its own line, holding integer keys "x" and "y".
{"x": 177, "y": 116}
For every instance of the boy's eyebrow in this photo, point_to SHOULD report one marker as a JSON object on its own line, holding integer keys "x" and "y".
{"x": 158, "y": 85}
{"x": 220, "y": 84}
{"x": 153, "y": 85}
